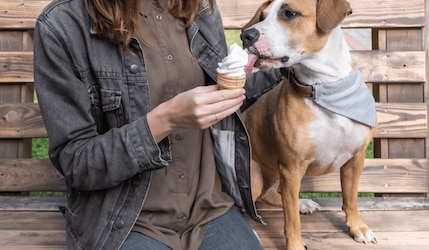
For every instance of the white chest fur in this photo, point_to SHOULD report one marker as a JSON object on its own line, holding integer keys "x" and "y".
{"x": 336, "y": 137}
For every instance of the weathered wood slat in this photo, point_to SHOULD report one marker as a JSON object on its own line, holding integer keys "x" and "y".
{"x": 404, "y": 120}
{"x": 31, "y": 203}
{"x": 378, "y": 13}
{"x": 391, "y": 66}
{"x": 401, "y": 120}
{"x": 376, "y": 66}
{"x": 29, "y": 175}
{"x": 16, "y": 67}
{"x": 32, "y": 238}
{"x": 384, "y": 14}
{"x": 20, "y": 14}
{"x": 322, "y": 230}
{"x": 17, "y": 220}
{"x": 21, "y": 120}
{"x": 379, "y": 176}
{"x": 365, "y": 204}
{"x": 395, "y": 230}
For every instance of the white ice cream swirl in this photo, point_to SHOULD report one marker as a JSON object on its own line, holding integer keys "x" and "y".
{"x": 234, "y": 64}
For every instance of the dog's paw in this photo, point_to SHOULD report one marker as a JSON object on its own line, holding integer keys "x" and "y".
{"x": 308, "y": 206}
{"x": 367, "y": 237}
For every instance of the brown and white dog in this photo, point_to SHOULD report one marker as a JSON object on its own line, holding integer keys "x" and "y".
{"x": 306, "y": 125}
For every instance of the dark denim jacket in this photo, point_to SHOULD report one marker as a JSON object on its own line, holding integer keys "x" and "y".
{"x": 94, "y": 99}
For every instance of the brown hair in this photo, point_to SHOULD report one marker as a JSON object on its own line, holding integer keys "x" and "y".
{"x": 119, "y": 20}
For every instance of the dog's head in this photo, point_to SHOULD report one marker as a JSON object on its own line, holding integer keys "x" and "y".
{"x": 284, "y": 32}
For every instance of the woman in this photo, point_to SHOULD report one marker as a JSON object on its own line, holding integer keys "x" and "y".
{"x": 153, "y": 154}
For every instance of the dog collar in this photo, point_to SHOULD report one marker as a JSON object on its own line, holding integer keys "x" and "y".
{"x": 300, "y": 88}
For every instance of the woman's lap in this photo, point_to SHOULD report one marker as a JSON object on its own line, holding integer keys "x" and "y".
{"x": 229, "y": 231}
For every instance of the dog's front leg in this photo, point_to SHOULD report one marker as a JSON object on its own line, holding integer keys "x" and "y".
{"x": 350, "y": 175}
{"x": 290, "y": 185}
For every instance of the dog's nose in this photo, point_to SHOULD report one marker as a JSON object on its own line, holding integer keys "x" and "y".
{"x": 249, "y": 37}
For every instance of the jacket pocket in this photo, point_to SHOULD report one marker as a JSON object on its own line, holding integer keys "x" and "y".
{"x": 106, "y": 108}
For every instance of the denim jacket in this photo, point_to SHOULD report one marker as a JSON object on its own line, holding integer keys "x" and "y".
{"x": 94, "y": 99}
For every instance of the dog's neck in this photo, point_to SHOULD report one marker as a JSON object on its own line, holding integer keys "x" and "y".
{"x": 330, "y": 64}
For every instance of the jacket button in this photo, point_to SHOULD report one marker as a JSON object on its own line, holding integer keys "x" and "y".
{"x": 242, "y": 138}
{"x": 134, "y": 68}
{"x": 119, "y": 224}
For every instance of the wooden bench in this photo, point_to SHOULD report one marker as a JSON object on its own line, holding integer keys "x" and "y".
{"x": 391, "y": 48}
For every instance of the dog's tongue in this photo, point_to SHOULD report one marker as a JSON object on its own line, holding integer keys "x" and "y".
{"x": 251, "y": 60}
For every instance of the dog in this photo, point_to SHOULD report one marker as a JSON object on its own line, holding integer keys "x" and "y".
{"x": 319, "y": 119}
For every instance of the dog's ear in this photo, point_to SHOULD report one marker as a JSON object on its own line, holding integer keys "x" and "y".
{"x": 330, "y": 13}
{"x": 258, "y": 17}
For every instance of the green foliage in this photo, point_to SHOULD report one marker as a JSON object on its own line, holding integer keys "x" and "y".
{"x": 233, "y": 36}
{"x": 40, "y": 148}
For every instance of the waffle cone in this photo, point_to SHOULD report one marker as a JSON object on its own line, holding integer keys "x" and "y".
{"x": 226, "y": 82}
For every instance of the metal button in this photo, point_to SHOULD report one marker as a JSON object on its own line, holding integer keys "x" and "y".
{"x": 119, "y": 224}
{"x": 184, "y": 217}
{"x": 134, "y": 68}
{"x": 170, "y": 57}
{"x": 158, "y": 17}
{"x": 181, "y": 175}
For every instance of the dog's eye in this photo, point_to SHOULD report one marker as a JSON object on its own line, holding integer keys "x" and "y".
{"x": 288, "y": 14}
{"x": 261, "y": 17}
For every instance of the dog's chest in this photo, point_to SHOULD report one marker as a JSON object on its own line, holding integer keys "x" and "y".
{"x": 336, "y": 137}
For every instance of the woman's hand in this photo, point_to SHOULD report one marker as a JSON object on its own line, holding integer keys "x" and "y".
{"x": 200, "y": 108}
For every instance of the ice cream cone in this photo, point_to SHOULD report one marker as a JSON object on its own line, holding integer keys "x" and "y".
{"x": 227, "y": 82}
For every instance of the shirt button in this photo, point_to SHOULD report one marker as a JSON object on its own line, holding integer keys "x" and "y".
{"x": 158, "y": 17}
{"x": 181, "y": 175}
{"x": 170, "y": 57}
{"x": 184, "y": 217}
{"x": 134, "y": 68}
{"x": 178, "y": 137}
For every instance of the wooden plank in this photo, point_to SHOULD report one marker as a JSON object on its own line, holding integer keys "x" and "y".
{"x": 11, "y": 40}
{"x": 330, "y": 241}
{"x": 366, "y": 14}
{"x": 395, "y": 120}
{"x": 29, "y": 175}
{"x": 365, "y": 204}
{"x": 395, "y": 230}
{"x": 376, "y": 66}
{"x": 321, "y": 230}
{"x": 31, "y": 220}
{"x": 21, "y": 121}
{"x": 401, "y": 120}
{"x": 379, "y": 176}
{"x": 31, "y": 203}
{"x": 32, "y": 238}
{"x": 16, "y": 66}
{"x": 386, "y": 14}
{"x": 20, "y": 14}
{"x": 391, "y": 66}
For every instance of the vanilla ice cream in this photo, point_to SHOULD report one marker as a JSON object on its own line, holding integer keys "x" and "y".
{"x": 231, "y": 74}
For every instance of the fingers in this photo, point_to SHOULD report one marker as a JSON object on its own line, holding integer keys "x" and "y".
{"x": 222, "y": 95}
{"x": 219, "y": 111}
{"x": 202, "y": 106}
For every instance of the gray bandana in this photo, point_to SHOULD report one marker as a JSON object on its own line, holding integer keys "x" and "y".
{"x": 348, "y": 97}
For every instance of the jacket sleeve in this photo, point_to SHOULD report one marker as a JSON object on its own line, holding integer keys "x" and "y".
{"x": 88, "y": 160}
{"x": 259, "y": 83}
